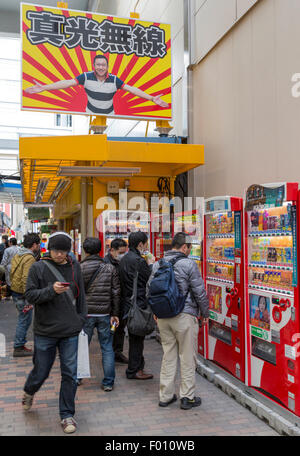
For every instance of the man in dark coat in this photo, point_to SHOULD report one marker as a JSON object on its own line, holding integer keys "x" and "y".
{"x": 55, "y": 288}
{"x": 102, "y": 287}
{"x": 129, "y": 265}
{"x": 117, "y": 250}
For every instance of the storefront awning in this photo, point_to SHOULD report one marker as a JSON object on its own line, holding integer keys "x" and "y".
{"x": 48, "y": 164}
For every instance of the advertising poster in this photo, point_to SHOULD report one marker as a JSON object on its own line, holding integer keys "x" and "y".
{"x": 260, "y": 311}
{"x": 86, "y": 63}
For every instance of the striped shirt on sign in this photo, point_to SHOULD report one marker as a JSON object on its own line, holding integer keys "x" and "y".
{"x": 100, "y": 94}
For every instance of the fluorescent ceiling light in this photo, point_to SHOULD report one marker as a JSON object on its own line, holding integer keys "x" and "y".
{"x": 60, "y": 187}
{"x": 96, "y": 171}
{"x": 40, "y": 190}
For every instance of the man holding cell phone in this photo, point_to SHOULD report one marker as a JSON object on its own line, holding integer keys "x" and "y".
{"x": 55, "y": 288}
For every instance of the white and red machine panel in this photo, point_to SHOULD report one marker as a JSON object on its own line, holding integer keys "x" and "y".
{"x": 224, "y": 280}
{"x": 272, "y": 292}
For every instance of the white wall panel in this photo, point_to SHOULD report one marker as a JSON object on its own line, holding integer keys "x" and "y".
{"x": 244, "y": 112}
{"x": 243, "y": 6}
{"x": 212, "y": 21}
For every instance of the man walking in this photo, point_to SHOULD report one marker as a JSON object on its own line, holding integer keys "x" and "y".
{"x": 20, "y": 266}
{"x": 129, "y": 265}
{"x": 102, "y": 287}
{"x": 55, "y": 288}
{"x": 179, "y": 334}
{"x": 117, "y": 250}
{"x": 9, "y": 253}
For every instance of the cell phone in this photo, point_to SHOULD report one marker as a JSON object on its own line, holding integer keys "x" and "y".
{"x": 65, "y": 284}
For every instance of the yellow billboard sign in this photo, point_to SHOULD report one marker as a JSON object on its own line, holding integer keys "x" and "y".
{"x": 87, "y": 63}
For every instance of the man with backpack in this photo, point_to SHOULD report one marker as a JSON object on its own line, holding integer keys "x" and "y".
{"x": 176, "y": 294}
{"x": 20, "y": 266}
{"x": 102, "y": 288}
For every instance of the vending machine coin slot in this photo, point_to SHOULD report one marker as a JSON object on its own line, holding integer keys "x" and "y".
{"x": 293, "y": 313}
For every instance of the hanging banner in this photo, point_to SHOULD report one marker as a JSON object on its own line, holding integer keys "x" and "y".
{"x": 85, "y": 63}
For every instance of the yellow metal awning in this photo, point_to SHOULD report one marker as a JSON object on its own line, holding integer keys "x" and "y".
{"x": 41, "y": 160}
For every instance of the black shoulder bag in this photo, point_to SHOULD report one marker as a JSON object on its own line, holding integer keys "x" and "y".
{"x": 140, "y": 321}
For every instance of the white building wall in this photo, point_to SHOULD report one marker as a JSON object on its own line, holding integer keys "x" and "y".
{"x": 246, "y": 115}
{"x": 213, "y": 19}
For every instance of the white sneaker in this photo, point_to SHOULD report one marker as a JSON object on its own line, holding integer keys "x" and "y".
{"x": 69, "y": 425}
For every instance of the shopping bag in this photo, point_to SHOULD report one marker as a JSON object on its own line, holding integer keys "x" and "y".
{"x": 83, "y": 358}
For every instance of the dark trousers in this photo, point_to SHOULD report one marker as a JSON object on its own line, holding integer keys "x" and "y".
{"x": 43, "y": 359}
{"x": 135, "y": 355}
{"x": 118, "y": 341}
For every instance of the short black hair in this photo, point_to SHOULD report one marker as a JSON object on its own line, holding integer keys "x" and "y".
{"x": 13, "y": 241}
{"x": 101, "y": 57}
{"x": 179, "y": 240}
{"x": 30, "y": 239}
{"x": 4, "y": 236}
{"x": 116, "y": 244}
{"x": 136, "y": 237}
{"x": 92, "y": 245}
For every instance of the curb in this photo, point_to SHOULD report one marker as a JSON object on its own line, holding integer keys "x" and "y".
{"x": 281, "y": 425}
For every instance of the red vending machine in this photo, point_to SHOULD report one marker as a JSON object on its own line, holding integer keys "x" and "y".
{"x": 191, "y": 223}
{"x": 119, "y": 224}
{"x": 272, "y": 292}
{"x": 162, "y": 233}
{"x": 224, "y": 280}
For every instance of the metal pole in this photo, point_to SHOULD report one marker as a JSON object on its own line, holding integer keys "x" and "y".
{"x": 83, "y": 213}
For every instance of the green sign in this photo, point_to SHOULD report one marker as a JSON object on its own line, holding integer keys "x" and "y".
{"x": 213, "y": 315}
{"x": 48, "y": 229}
{"x": 258, "y": 332}
{"x": 38, "y": 213}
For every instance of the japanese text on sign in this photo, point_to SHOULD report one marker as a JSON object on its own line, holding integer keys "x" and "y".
{"x": 91, "y": 35}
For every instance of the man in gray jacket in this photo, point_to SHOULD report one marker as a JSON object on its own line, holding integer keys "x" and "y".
{"x": 179, "y": 334}
{"x": 8, "y": 255}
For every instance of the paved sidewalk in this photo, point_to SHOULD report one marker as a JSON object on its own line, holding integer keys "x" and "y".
{"x": 130, "y": 409}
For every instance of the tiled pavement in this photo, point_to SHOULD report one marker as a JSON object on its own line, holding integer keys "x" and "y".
{"x": 130, "y": 409}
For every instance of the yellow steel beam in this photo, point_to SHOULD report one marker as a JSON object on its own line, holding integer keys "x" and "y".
{"x": 80, "y": 147}
{"x": 98, "y": 148}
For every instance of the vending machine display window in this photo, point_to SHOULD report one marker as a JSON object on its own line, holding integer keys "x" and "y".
{"x": 215, "y": 298}
{"x": 264, "y": 350}
{"x": 260, "y": 311}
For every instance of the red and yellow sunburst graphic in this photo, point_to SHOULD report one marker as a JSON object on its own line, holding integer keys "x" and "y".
{"x": 46, "y": 63}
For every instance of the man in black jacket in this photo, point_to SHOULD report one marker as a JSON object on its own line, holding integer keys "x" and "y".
{"x": 55, "y": 288}
{"x": 117, "y": 250}
{"x": 102, "y": 287}
{"x": 129, "y": 265}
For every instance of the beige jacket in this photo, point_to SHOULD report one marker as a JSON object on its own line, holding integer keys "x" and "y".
{"x": 20, "y": 265}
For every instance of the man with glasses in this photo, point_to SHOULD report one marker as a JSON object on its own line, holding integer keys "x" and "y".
{"x": 55, "y": 288}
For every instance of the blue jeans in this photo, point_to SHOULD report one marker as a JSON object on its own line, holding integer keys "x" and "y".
{"x": 24, "y": 320}
{"x": 105, "y": 340}
{"x": 43, "y": 359}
